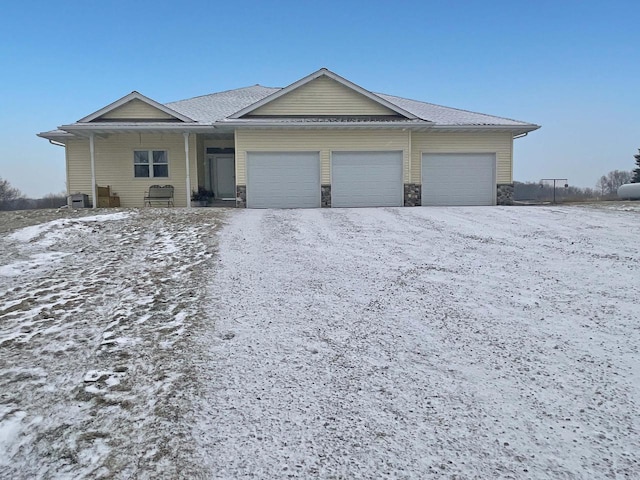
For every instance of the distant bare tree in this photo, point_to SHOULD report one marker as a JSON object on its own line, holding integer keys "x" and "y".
{"x": 51, "y": 200}
{"x": 603, "y": 186}
{"x": 9, "y": 195}
{"x": 636, "y": 171}
{"x": 609, "y": 183}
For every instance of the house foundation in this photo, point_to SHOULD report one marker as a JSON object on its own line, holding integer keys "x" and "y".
{"x": 505, "y": 194}
{"x": 412, "y": 195}
{"x": 325, "y": 196}
{"x": 241, "y": 196}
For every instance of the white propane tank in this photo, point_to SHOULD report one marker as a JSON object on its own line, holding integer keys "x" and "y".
{"x": 630, "y": 191}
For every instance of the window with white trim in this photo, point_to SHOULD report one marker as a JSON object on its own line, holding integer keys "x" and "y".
{"x": 150, "y": 163}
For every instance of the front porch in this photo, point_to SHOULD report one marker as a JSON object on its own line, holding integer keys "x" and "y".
{"x": 130, "y": 162}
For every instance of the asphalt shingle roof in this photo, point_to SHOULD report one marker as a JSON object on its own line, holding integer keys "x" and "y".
{"x": 446, "y": 115}
{"x": 218, "y": 106}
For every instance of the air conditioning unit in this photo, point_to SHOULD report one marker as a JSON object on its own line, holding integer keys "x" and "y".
{"x": 78, "y": 200}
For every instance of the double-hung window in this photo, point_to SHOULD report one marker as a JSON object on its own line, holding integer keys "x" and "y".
{"x": 150, "y": 163}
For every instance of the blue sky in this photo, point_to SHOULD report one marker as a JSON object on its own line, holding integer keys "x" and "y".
{"x": 571, "y": 66}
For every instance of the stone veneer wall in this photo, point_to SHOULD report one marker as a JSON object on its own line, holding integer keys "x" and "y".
{"x": 505, "y": 194}
{"x": 241, "y": 196}
{"x": 325, "y": 196}
{"x": 412, "y": 195}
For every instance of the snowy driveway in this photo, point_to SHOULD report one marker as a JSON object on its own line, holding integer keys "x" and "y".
{"x": 365, "y": 343}
{"x": 410, "y": 343}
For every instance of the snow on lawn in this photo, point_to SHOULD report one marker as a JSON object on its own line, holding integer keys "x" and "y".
{"x": 424, "y": 342}
{"x": 92, "y": 336}
{"x": 28, "y": 234}
{"x": 335, "y": 343}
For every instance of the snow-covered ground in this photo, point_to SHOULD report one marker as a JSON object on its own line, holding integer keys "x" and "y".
{"x": 336, "y": 343}
{"x": 94, "y": 316}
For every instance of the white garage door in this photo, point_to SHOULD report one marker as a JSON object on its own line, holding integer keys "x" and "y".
{"x": 459, "y": 179}
{"x": 283, "y": 180}
{"x": 366, "y": 179}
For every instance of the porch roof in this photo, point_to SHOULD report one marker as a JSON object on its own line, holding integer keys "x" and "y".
{"x": 65, "y": 132}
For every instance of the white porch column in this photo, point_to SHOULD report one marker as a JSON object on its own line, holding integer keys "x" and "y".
{"x": 94, "y": 190}
{"x": 186, "y": 156}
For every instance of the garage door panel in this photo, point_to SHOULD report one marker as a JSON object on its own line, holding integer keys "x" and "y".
{"x": 366, "y": 179}
{"x": 458, "y": 179}
{"x": 283, "y": 180}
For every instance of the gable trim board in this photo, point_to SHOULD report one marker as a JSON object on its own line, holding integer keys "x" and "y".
{"x": 136, "y": 110}
{"x": 323, "y": 72}
{"x": 347, "y": 126}
{"x": 134, "y": 96}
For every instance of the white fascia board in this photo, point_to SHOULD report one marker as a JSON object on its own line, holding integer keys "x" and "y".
{"x": 55, "y": 135}
{"x": 87, "y": 128}
{"x": 135, "y": 96}
{"x": 333, "y": 76}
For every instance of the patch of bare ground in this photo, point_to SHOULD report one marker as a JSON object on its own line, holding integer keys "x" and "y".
{"x": 96, "y": 317}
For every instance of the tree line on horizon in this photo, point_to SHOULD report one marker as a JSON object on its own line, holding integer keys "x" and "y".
{"x": 606, "y": 189}
{"x": 13, "y": 199}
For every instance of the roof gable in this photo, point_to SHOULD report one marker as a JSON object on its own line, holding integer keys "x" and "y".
{"x": 322, "y": 93}
{"x": 135, "y": 106}
{"x": 135, "y": 110}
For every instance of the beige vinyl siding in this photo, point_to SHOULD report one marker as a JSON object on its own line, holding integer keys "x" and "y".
{"x": 323, "y": 141}
{"x": 114, "y": 165}
{"x": 323, "y": 96}
{"x": 78, "y": 167}
{"x": 500, "y": 143}
{"x": 135, "y": 110}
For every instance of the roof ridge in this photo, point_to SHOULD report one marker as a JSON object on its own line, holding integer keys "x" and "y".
{"x": 454, "y": 108}
{"x": 223, "y": 91}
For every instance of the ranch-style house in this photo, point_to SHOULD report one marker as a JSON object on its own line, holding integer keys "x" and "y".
{"x": 323, "y": 141}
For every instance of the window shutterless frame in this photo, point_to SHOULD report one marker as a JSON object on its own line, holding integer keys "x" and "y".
{"x": 150, "y": 164}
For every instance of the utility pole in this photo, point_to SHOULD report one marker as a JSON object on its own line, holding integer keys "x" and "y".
{"x": 563, "y": 180}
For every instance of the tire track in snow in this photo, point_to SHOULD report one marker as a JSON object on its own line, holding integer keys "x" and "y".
{"x": 412, "y": 343}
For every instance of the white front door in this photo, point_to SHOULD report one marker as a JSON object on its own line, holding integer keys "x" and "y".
{"x": 223, "y": 176}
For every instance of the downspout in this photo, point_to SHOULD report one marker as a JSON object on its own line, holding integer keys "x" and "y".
{"x": 186, "y": 156}
{"x": 53, "y": 142}
{"x": 410, "y": 153}
{"x": 94, "y": 190}
{"x": 514, "y": 138}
